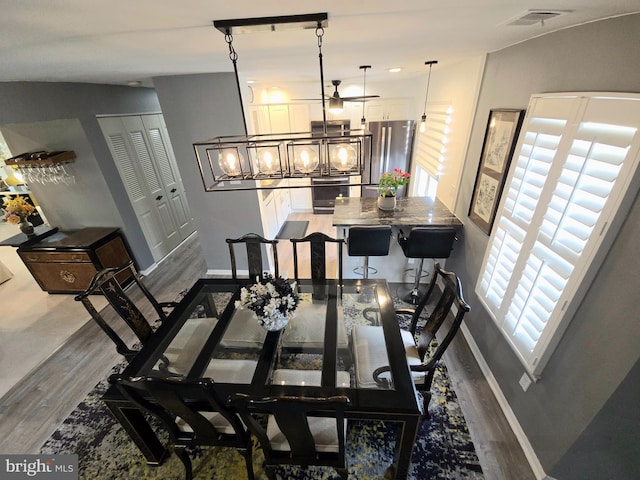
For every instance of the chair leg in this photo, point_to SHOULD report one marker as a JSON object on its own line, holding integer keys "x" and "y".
{"x": 343, "y": 472}
{"x": 426, "y": 398}
{"x": 248, "y": 458}
{"x": 182, "y": 454}
{"x": 271, "y": 472}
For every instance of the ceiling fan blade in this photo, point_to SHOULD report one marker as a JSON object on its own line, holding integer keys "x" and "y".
{"x": 362, "y": 98}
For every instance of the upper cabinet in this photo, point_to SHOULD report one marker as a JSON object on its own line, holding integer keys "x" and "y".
{"x": 389, "y": 109}
{"x": 279, "y": 118}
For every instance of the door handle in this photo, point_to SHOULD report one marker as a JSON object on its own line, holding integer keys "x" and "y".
{"x": 159, "y": 197}
{"x": 173, "y": 190}
{"x": 383, "y": 143}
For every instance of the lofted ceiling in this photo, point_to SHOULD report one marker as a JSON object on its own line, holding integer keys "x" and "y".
{"x": 120, "y": 41}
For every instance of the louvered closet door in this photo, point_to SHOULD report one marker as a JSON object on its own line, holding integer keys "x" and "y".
{"x": 151, "y": 175}
{"x": 125, "y": 158}
{"x": 169, "y": 175}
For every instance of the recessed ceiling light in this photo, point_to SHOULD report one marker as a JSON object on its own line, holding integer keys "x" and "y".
{"x": 394, "y": 69}
{"x": 134, "y": 83}
{"x": 251, "y": 81}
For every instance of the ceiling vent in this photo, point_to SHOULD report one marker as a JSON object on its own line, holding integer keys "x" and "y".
{"x": 532, "y": 17}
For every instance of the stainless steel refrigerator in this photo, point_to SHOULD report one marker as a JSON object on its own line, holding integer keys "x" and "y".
{"x": 392, "y": 147}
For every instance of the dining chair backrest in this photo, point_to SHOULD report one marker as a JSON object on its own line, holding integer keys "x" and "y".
{"x": 444, "y": 293}
{"x": 129, "y": 305}
{"x": 300, "y": 430}
{"x": 318, "y": 254}
{"x": 191, "y": 411}
{"x": 447, "y": 307}
{"x": 254, "y": 244}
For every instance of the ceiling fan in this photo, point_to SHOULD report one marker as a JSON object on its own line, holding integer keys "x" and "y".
{"x": 336, "y": 102}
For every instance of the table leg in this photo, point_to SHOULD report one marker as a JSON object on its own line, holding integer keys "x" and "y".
{"x": 404, "y": 450}
{"x": 139, "y": 430}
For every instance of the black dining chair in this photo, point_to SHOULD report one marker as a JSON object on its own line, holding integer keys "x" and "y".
{"x": 318, "y": 254}
{"x": 192, "y": 413}
{"x": 446, "y": 306}
{"x": 299, "y": 430}
{"x": 254, "y": 245}
{"x": 421, "y": 243}
{"x": 368, "y": 241}
{"x": 128, "y": 305}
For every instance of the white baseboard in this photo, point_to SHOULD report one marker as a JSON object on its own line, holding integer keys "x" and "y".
{"x": 149, "y": 269}
{"x": 154, "y": 265}
{"x": 227, "y": 273}
{"x": 538, "y": 471}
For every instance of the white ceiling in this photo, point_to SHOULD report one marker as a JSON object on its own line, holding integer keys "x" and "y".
{"x": 118, "y": 41}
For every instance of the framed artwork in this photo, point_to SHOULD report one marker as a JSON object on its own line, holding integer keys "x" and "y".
{"x": 499, "y": 142}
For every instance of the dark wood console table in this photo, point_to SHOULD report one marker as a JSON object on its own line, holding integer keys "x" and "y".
{"x": 66, "y": 261}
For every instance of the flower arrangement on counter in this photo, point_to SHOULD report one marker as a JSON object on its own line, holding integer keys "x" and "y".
{"x": 273, "y": 300}
{"x": 391, "y": 181}
{"x": 17, "y": 210}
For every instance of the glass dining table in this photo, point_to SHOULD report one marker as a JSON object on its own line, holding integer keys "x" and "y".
{"x": 206, "y": 336}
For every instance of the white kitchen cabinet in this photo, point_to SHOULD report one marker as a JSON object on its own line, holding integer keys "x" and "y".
{"x": 279, "y": 118}
{"x": 390, "y": 109}
{"x": 270, "y": 217}
{"x": 301, "y": 200}
{"x": 283, "y": 205}
{"x": 299, "y": 119}
{"x": 259, "y": 119}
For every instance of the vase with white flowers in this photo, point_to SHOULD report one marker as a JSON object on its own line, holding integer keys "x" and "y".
{"x": 273, "y": 300}
{"x": 388, "y": 187}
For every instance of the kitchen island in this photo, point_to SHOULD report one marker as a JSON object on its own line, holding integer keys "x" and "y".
{"x": 409, "y": 212}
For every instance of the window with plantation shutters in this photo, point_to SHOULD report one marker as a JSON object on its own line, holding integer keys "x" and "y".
{"x": 572, "y": 170}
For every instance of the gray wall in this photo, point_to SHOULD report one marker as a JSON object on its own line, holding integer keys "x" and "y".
{"x": 35, "y": 102}
{"x": 197, "y": 108}
{"x": 570, "y": 406}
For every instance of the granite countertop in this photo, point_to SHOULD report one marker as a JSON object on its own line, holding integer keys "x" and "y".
{"x": 409, "y": 212}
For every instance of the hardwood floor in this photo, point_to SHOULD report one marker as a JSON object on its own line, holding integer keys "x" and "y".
{"x": 31, "y": 411}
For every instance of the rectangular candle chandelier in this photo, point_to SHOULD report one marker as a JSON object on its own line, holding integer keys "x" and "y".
{"x": 237, "y": 162}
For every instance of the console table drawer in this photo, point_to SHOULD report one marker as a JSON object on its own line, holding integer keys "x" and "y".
{"x": 63, "y": 277}
{"x": 55, "y": 257}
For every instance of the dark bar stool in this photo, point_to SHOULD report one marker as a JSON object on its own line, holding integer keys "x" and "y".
{"x": 421, "y": 243}
{"x": 366, "y": 242}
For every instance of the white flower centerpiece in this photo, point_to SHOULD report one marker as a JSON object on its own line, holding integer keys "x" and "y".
{"x": 273, "y": 300}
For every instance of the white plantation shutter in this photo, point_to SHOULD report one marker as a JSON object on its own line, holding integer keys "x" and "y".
{"x": 431, "y": 145}
{"x": 574, "y": 162}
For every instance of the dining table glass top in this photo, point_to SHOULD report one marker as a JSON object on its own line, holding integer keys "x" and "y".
{"x": 209, "y": 337}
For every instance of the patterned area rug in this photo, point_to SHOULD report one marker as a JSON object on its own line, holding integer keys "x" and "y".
{"x": 443, "y": 449}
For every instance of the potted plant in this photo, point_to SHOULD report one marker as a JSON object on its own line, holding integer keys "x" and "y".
{"x": 16, "y": 212}
{"x": 388, "y": 188}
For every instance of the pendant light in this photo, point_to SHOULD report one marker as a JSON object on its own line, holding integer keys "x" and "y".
{"x": 238, "y": 162}
{"x": 423, "y": 120}
{"x": 363, "y": 121}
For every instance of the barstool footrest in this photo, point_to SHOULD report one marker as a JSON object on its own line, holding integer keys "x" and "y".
{"x": 360, "y": 270}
